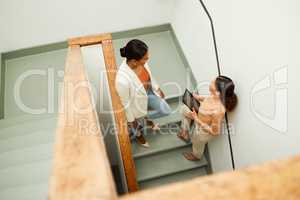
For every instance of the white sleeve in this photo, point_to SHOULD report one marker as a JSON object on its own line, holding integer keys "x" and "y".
{"x": 123, "y": 90}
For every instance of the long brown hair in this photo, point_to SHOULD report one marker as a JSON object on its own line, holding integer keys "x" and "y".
{"x": 226, "y": 88}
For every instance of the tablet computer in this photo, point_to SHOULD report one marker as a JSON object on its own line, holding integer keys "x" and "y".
{"x": 189, "y": 100}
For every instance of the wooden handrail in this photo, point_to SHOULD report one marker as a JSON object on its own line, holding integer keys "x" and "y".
{"x": 81, "y": 169}
{"x": 89, "y": 40}
{"x": 274, "y": 180}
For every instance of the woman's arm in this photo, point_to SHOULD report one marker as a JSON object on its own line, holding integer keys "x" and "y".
{"x": 214, "y": 128}
{"x": 161, "y": 93}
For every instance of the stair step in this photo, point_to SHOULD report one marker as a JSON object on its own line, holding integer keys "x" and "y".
{"x": 174, "y": 117}
{"x": 28, "y": 140}
{"x": 181, "y": 176}
{"x": 26, "y": 192}
{"x": 27, "y": 174}
{"x": 7, "y": 122}
{"x": 28, "y": 127}
{"x": 23, "y": 156}
{"x": 164, "y": 140}
{"x": 166, "y": 163}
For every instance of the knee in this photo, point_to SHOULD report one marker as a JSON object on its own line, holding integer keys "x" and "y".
{"x": 166, "y": 109}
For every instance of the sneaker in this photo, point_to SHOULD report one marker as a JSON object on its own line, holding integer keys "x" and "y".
{"x": 142, "y": 141}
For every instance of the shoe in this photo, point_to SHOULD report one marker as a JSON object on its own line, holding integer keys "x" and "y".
{"x": 155, "y": 127}
{"x": 190, "y": 156}
{"x": 142, "y": 141}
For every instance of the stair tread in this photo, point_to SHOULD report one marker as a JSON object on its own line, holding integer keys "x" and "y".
{"x": 160, "y": 141}
{"x": 12, "y": 121}
{"x": 27, "y": 140}
{"x": 26, "y": 192}
{"x": 28, "y": 127}
{"x": 166, "y": 138}
{"x": 27, "y": 155}
{"x": 166, "y": 163}
{"x": 174, "y": 117}
{"x": 181, "y": 176}
{"x": 25, "y": 174}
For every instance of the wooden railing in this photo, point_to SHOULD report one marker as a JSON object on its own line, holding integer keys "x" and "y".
{"x": 81, "y": 168}
{"x": 276, "y": 180}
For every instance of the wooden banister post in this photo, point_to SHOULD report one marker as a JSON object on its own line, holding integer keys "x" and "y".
{"x": 120, "y": 118}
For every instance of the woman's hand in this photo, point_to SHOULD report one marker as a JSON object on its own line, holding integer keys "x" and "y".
{"x": 161, "y": 93}
{"x": 198, "y": 97}
{"x": 196, "y": 118}
{"x": 194, "y": 115}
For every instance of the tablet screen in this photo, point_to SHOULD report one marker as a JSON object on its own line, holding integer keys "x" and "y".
{"x": 189, "y": 100}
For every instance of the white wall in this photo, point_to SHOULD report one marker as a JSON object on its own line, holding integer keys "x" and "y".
{"x": 193, "y": 31}
{"x": 254, "y": 39}
{"x": 34, "y": 22}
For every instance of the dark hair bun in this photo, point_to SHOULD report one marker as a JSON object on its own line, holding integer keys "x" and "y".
{"x": 123, "y": 52}
{"x": 134, "y": 49}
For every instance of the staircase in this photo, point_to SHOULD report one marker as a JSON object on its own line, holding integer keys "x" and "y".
{"x": 25, "y": 156}
{"x": 163, "y": 162}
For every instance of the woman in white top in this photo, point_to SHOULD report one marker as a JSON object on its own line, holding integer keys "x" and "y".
{"x": 138, "y": 90}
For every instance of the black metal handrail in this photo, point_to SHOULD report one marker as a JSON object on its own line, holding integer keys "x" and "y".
{"x": 219, "y": 73}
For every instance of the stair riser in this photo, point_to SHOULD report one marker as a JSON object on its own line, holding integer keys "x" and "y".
{"x": 182, "y": 176}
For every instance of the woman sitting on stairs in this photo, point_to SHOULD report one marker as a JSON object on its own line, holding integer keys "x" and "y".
{"x": 208, "y": 121}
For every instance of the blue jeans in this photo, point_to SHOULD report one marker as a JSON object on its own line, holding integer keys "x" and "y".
{"x": 157, "y": 106}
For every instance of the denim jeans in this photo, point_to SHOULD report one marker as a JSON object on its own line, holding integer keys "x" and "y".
{"x": 158, "y": 108}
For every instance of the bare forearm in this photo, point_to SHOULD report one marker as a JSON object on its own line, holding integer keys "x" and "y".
{"x": 207, "y": 127}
